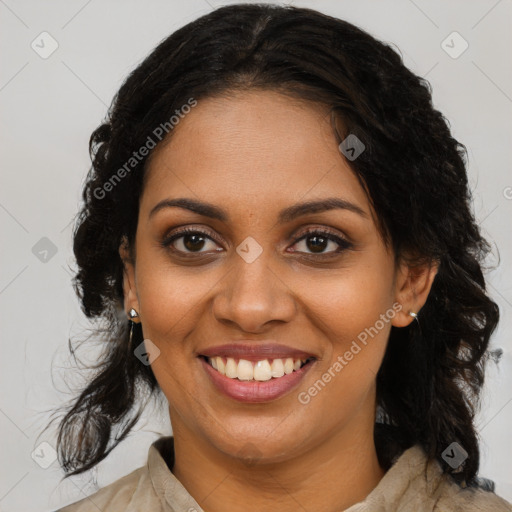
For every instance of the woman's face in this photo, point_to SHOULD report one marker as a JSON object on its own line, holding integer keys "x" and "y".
{"x": 263, "y": 278}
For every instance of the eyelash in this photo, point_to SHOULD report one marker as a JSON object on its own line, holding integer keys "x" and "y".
{"x": 343, "y": 243}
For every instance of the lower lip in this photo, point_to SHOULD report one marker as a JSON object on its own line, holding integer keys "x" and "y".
{"x": 256, "y": 391}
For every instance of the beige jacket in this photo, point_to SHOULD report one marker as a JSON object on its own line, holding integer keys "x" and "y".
{"x": 404, "y": 488}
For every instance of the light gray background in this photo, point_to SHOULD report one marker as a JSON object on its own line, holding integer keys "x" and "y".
{"x": 49, "y": 108}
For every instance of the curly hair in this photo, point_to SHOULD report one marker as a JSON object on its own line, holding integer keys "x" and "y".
{"x": 412, "y": 170}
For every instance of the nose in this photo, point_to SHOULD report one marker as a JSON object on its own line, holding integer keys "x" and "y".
{"x": 253, "y": 296}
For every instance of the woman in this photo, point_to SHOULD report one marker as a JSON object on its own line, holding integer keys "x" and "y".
{"x": 283, "y": 220}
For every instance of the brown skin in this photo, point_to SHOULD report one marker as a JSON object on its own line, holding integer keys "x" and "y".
{"x": 253, "y": 154}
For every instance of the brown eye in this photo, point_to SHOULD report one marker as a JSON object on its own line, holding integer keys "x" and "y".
{"x": 318, "y": 242}
{"x": 190, "y": 241}
{"x": 193, "y": 242}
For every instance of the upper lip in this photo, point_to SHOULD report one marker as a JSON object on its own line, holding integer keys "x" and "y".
{"x": 255, "y": 352}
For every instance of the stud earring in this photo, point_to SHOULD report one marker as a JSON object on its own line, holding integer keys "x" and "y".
{"x": 413, "y": 314}
{"x": 134, "y": 316}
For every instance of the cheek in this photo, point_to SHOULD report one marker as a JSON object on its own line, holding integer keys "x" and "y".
{"x": 171, "y": 298}
{"x": 343, "y": 384}
{"x": 348, "y": 302}
{"x": 171, "y": 301}
{"x": 355, "y": 321}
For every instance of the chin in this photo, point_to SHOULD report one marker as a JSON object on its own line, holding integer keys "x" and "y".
{"x": 259, "y": 447}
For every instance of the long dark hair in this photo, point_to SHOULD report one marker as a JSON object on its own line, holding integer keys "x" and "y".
{"x": 412, "y": 170}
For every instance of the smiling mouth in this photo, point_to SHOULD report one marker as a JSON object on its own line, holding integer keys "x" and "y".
{"x": 263, "y": 370}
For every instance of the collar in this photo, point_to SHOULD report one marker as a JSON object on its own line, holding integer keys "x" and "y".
{"x": 395, "y": 485}
{"x": 172, "y": 493}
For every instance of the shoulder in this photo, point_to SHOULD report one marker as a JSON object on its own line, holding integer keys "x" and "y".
{"x": 444, "y": 494}
{"x": 152, "y": 487}
{"x": 125, "y": 494}
{"x": 454, "y": 498}
{"x": 415, "y": 483}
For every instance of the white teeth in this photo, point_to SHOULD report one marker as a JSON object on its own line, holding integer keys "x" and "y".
{"x": 245, "y": 370}
{"x": 277, "y": 368}
{"x": 262, "y": 370}
{"x": 221, "y": 367}
{"x": 231, "y": 368}
{"x": 288, "y": 366}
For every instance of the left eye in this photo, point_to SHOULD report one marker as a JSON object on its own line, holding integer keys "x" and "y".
{"x": 318, "y": 241}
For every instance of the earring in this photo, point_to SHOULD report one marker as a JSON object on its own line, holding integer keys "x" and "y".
{"x": 413, "y": 314}
{"x": 134, "y": 318}
{"x": 134, "y": 315}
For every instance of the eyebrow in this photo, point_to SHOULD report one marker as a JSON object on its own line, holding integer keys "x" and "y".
{"x": 286, "y": 215}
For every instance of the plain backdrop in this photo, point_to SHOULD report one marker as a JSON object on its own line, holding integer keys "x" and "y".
{"x": 50, "y": 104}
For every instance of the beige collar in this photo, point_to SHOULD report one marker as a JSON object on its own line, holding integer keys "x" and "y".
{"x": 409, "y": 483}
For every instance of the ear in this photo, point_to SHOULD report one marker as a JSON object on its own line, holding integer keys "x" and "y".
{"x": 412, "y": 286}
{"x": 129, "y": 287}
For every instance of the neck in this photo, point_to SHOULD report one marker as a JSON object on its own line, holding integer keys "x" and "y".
{"x": 336, "y": 474}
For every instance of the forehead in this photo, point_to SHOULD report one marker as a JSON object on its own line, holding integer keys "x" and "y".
{"x": 252, "y": 148}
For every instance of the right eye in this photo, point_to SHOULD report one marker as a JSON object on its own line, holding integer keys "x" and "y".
{"x": 189, "y": 241}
